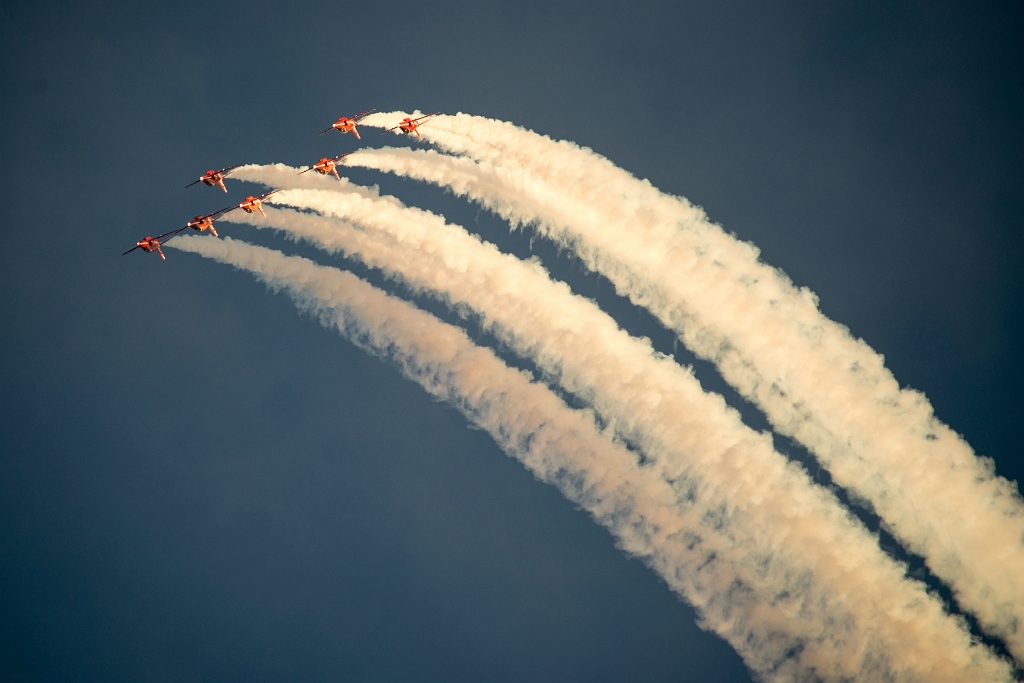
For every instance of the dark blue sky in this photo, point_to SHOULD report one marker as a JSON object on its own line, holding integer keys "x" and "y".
{"x": 198, "y": 484}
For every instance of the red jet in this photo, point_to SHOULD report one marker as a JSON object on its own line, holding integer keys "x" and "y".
{"x": 255, "y": 203}
{"x": 347, "y": 124}
{"x": 212, "y": 177}
{"x": 200, "y": 223}
{"x": 151, "y": 244}
{"x": 409, "y": 125}
{"x": 325, "y": 165}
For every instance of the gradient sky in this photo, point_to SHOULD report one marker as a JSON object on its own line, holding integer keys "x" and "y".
{"x": 196, "y": 483}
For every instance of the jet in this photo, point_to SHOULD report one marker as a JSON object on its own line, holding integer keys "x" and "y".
{"x": 325, "y": 165}
{"x": 151, "y": 244}
{"x": 201, "y": 223}
{"x": 409, "y": 125}
{"x": 347, "y": 124}
{"x": 212, "y": 177}
{"x": 255, "y": 203}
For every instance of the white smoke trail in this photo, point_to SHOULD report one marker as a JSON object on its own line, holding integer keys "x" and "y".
{"x": 813, "y": 557}
{"x": 559, "y": 445}
{"x": 812, "y": 379}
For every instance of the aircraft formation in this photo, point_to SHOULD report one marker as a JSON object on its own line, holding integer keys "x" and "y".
{"x": 251, "y": 204}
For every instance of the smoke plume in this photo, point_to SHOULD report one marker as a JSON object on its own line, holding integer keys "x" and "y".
{"x": 810, "y": 555}
{"x": 813, "y": 380}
